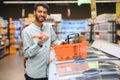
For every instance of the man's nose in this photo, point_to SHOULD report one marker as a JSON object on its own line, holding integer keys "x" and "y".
{"x": 42, "y": 13}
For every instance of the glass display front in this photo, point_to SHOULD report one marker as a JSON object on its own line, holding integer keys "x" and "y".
{"x": 89, "y": 69}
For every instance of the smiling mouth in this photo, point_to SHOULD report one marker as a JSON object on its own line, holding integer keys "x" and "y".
{"x": 42, "y": 18}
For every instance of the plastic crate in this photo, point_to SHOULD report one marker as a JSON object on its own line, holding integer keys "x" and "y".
{"x": 70, "y": 51}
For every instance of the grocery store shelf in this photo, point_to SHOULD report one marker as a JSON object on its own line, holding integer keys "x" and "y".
{"x": 1, "y": 47}
{"x": 4, "y": 55}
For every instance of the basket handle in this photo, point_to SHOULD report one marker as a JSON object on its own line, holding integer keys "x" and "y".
{"x": 71, "y": 36}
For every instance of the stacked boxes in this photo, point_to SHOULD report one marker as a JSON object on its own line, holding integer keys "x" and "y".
{"x": 12, "y": 30}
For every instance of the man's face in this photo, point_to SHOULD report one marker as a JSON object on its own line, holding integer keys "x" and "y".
{"x": 40, "y": 14}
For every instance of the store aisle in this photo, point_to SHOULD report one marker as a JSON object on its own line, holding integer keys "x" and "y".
{"x": 12, "y": 68}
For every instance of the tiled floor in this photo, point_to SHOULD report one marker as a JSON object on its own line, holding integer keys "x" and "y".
{"x": 12, "y": 68}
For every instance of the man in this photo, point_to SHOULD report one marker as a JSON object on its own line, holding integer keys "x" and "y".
{"x": 37, "y": 50}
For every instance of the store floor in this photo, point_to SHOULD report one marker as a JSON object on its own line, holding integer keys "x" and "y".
{"x": 12, "y": 67}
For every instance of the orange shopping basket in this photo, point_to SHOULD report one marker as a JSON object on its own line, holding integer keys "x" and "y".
{"x": 70, "y": 51}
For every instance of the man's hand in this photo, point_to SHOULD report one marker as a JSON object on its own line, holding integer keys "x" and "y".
{"x": 64, "y": 42}
{"x": 42, "y": 38}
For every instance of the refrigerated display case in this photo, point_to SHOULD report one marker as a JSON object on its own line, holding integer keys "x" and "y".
{"x": 100, "y": 64}
{"x": 90, "y": 69}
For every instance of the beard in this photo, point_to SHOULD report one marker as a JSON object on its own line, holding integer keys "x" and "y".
{"x": 40, "y": 18}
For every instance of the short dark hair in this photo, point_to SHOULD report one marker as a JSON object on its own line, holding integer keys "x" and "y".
{"x": 41, "y": 4}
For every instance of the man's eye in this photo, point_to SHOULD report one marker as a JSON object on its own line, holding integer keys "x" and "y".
{"x": 40, "y": 11}
{"x": 45, "y": 12}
